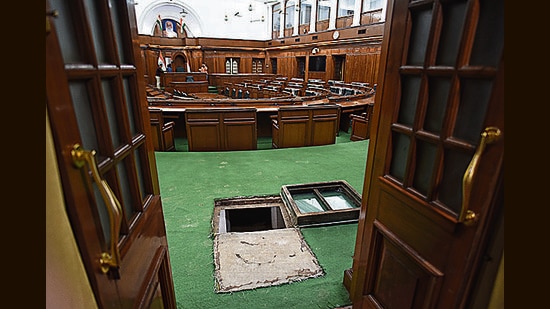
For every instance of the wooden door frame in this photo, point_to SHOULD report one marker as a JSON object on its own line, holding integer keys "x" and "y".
{"x": 485, "y": 239}
{"x": 144, "y": 260}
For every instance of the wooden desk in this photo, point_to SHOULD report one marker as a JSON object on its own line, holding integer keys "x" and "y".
{"x": 312, "y": 125}
{"x": 179, "y": 81}
{"x": 221, "y": 129}
{"x": 174, "y": 110}
{"x": 187, "y": 87}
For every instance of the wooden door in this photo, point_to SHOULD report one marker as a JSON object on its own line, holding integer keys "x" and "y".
{"x": 433, "y": 193}
{"x": 339, "y": 61}
{"x": 100, "y": 125}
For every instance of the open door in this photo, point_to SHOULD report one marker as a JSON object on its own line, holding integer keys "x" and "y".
{"x": 339, "y": 63}
{"x": 301, "y": 65}
{"x": 432, "y": 204}
{"x": 95, "y": 98}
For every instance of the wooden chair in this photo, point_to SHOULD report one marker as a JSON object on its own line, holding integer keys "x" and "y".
{"x": 360, "y": 125}
{"x": 163, "y": 133}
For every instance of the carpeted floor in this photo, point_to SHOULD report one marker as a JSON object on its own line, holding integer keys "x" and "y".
{"x": 189, "y": 183}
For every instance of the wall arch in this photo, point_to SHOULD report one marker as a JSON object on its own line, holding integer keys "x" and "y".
{"x": 147, "y": 20}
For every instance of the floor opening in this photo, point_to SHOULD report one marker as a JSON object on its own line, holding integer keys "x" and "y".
{"x": 249, "y": 214}
{"x": 300, "y": 205}
{"x": 252, "y": 219}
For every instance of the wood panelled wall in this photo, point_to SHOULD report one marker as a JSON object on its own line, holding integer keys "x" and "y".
{"x": 359, "y": 47}
{"x": 215, "y": 59}
{"x": 361, "y": 62}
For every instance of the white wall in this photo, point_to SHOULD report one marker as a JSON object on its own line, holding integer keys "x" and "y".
{"x": 206, "y": 18}
{"x": 67, "y": 284}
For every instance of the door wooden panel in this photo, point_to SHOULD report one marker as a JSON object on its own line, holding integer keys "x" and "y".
{"x": 100, "y": 124}
{"x": 414, "y": 283}
{"x": 435, "y": 160}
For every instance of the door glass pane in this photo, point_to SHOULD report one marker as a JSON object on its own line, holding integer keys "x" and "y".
{"x": 66, "y": 31}
{"x": 103, "y": 216}
{"x": 84, "y": 115}
{"x": 474, "y": 98}
{"x": 409, "y": 98}
{"x": 425, "y": 161}
{"x": 111, "y": 112}
{"x": 115, "y": 16}
{"x": 125, "y": 188}
{"x": 129, "y": 105}
{"x": 141, "y": 181}
{"x": 400, "y": 153}
{"x": 437, "y": 103}
{"x": 97, "y": 28}
{"x": 450, "y": 189}
{"x": 451, "y": 32}
{"x": 421, "y": 21}
{"x": 489, "y": 40}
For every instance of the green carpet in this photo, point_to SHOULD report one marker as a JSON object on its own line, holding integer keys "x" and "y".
{"x": 189, "y": 183}
{"x": 262, "y": 143}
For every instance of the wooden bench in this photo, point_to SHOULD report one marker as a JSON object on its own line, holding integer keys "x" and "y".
{"x": 311, "y": 125}
{"x": 221, "y": 129}
{"x": 360, "y": 125}
{"x": 163, "y": 133}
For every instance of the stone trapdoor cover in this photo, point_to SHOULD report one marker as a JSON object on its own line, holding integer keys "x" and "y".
{"x": 249, "y": 260}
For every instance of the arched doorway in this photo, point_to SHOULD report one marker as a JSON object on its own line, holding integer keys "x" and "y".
{"x": 179, "y": 63}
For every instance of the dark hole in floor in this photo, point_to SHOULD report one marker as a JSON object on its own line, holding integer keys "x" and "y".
{"x": 252, "y": 219}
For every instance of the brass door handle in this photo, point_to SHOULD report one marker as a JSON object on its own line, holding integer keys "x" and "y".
{"x": 53, "y": 13}
{"x": 466, "y": 216}
{"x": 80, "y": 158}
